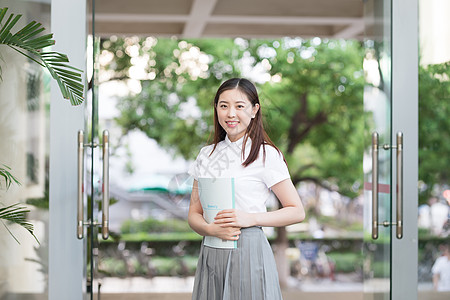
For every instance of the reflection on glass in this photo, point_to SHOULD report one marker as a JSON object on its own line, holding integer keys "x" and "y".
{"x": 24, "y": 118}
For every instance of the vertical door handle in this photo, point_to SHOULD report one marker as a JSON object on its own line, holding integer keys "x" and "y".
{"x": 374, "y": 185}
{"x": 105, "y": 198}
{"x": 399, "y": 214}
{"x": 80, "y": 212}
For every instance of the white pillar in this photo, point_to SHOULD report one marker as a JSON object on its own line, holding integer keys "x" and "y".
{"x": 66, "y": 258}
{"x": 405, "y": 118}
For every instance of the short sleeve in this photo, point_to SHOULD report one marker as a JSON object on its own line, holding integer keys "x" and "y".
{"x": 275, "y": 169}
{"x": 195, "y": 167}
{"x": 436, "y": 269}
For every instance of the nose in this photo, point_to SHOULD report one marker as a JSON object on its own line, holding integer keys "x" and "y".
{"x": 231, "y": 112}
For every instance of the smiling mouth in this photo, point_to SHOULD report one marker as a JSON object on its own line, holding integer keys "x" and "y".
{"x": 231, "y": 123}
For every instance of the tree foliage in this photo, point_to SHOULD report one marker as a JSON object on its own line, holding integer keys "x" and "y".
{"x": 311, "y": 93}
{"x": 316, "y": 110}
{"x": 434, "y": 124}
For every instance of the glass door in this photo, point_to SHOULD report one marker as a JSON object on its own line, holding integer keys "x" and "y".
{"x": 390, "y": 157}
{"x": 377, "y": 160}
{"x": 434, "y": 185}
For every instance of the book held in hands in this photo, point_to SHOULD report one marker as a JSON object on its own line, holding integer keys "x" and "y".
{"x": 216, "y": 194}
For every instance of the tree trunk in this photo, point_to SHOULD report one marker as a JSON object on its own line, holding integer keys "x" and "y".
{"x": 280, "y": 246}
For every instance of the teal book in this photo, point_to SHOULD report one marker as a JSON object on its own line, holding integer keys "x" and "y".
{"x": 216, "y": 194}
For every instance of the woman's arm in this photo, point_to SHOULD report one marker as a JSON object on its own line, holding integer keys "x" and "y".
{"x": 292, "y": 211}
{"x": 435, "y": 281}
{"x": 199, "y": 225}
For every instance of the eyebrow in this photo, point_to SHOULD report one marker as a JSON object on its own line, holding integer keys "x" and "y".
{"x": 238, "y": 101}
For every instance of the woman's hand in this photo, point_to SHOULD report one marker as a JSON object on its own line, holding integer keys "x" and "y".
{"x": 224, "y": 233}
{"x": 234, "y": 218}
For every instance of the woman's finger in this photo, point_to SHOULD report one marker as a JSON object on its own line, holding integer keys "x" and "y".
{"x": 236, "y": 234}
{"x": 225, "y": 218}
{"x": 226, "y": 211}
{"x": 225, "y": 225}
{"x": 225, "y": 221}
{"x": 225, "y": 215}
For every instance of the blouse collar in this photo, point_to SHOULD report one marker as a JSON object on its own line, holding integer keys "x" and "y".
{"x": 239, "y": 142}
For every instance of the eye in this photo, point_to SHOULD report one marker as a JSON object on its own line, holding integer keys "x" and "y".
{"x": 223, "y": 106}
{"x": 240, "y": 106}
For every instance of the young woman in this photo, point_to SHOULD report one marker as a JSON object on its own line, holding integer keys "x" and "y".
{"x": 241, "y": 150}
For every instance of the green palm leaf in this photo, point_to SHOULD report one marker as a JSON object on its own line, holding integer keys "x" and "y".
{"x": 16, "y": 214}
{"x": 9, "y": 178}
{"x": 28, "y": 42}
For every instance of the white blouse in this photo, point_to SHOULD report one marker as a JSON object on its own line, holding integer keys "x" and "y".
{"x": 252, "y": 183}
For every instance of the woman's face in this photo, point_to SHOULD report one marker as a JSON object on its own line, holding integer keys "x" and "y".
{"x": 234, "y": 112}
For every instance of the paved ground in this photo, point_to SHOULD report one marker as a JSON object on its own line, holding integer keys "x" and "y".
{"x": 184, "y": 285}
{"x": 145, "y": 285}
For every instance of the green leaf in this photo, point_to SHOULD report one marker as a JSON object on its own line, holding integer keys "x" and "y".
{"x": 17, "y": 214}
{"x": 30, "y": 30}
{"x": 5, "y": 31}
{"x": 2, "y": 14}
{"x": 9, "y": 178}
{"x": 67, "y": 77}
{"x": 29, "y": 56}
{"x": 64, "y": 71}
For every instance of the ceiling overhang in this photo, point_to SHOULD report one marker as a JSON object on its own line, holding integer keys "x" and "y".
{"x": 230, "y": 18}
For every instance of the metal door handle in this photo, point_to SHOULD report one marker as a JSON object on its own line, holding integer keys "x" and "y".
{"x": 80, "y": 206}
{"x": 399, "y": 185}
{"x": 105, "y": 198}
{"x": 105, "y": 186}
{"x": 374, "y": 185}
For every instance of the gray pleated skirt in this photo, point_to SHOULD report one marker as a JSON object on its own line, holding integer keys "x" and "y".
{"x": 245, "y": 273}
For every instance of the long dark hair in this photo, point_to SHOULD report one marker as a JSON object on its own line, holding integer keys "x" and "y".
{"x": 255, "y": 130}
